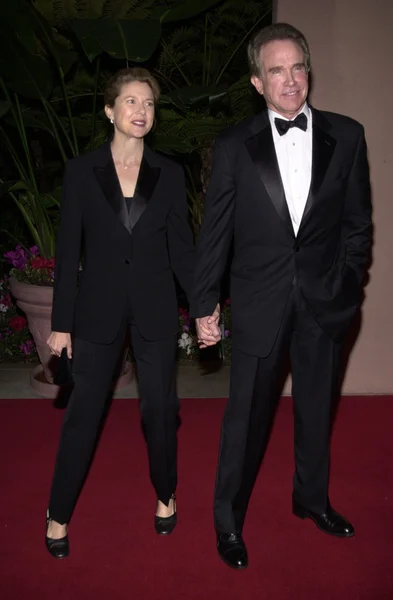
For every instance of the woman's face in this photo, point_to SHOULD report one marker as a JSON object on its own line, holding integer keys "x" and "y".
{"x": 133, "y": 112}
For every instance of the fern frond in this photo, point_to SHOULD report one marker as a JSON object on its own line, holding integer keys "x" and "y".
{"x": 194, "y": 128}
{"x": 133, "y": 9}
{"x": 65, "y": 9}
{"x": 45, "y": 7}
{"x": 90, "y": 9}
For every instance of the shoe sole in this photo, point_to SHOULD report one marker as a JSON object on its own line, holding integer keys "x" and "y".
{"x": 303, "y": 516}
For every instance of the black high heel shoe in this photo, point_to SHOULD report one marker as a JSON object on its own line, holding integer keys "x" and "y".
{"x": 57, "y": 548}
{"x": 165, "y": 525}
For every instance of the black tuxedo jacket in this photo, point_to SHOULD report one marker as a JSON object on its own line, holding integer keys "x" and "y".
{"x": 123, "y": 254}
{"x": 246, "y": 203}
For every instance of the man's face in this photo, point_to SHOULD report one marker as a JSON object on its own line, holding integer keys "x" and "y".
{"x": 283, "y": 77}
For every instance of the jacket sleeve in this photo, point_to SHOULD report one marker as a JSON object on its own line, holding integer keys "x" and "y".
{"x": 68, "y": 246}
{"x": 180, "y": 241}
{"x": 357, "y": 223}
{"x": 216, "y": 234}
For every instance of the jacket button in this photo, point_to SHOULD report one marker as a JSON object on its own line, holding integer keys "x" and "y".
{"x": 127, "y": 261}
{"x": 297, "y": 248}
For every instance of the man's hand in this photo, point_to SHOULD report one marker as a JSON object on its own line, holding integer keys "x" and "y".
{"x": 208, "y": 329}
{"x": 59, "y": 340}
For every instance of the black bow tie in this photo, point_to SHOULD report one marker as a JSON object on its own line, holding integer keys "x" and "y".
{"x": 283, "y": 126}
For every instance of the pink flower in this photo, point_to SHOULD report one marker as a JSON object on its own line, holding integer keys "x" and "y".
{"x": 7, "y": 300}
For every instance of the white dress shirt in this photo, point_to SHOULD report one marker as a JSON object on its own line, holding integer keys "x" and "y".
{"x": 294, "y": 155}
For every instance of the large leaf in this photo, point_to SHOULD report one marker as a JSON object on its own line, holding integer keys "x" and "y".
{"x": 185, "y": 10}
{"x": 194, "y": 95}
{"x": 51, "y": 200}
{"x": 133, "y": 40}
{"x": 34, "y": 118}
{"x": 4, "y": 108}
{"x": 13, "y": 186}
{"x": 86, "y": 31}
{"x": 171, "y": 144}
{"x": 15, "y": 17}
{"x": 25, "y": 73}
{"x": 63, "y": 57}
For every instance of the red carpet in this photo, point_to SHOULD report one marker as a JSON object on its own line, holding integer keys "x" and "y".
{"x": 115, "y": 552}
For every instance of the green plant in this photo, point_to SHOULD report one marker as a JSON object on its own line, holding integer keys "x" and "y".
{"x": 49, "y": 92}
{"x": 55, "y": 57}
{"x": 203, "y": 69}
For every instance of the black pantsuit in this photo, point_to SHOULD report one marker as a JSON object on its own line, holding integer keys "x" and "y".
{"x": 130, "y": 256}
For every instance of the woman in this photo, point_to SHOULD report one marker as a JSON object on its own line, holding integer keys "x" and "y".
{"x": 124, "y": 210}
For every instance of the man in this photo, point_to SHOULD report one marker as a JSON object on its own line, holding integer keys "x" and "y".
{"x": 290, "y": 187}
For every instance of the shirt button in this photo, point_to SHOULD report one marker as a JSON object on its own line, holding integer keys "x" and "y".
{"x": 127, "y": 262}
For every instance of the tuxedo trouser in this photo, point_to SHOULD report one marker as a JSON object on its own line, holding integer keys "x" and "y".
{"x": 94, "y": 366}
{"x": 254, "y": 392}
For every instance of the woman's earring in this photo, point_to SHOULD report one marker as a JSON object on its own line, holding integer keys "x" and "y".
{"x": 112, "y": 121}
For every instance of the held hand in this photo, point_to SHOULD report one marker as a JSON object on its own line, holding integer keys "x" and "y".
{"x": 208, "y": 329}
{"x": 59, "y": 340}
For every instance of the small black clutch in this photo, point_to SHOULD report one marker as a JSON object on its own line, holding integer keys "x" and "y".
{"x": 63, "y": 374}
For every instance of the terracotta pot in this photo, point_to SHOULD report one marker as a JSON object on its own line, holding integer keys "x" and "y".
{"x": 36, "y": 303}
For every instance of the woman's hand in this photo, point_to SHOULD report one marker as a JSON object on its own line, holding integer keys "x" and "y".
{"x": 59, "y": 340}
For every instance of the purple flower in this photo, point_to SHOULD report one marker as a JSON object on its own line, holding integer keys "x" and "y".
{"x": 186, "y": 327}
{"x": 18, "y": 257}
{"x": 34, "y": 250}
{"x": 27, "y": 347}
{"x": 226, "y": 333}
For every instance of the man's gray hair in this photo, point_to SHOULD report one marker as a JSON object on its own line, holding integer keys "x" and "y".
{"x": 272, "y": 33}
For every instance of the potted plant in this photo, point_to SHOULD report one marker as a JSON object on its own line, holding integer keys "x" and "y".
{"x": 31, "y": 283}
{"x": 16, "y": 343}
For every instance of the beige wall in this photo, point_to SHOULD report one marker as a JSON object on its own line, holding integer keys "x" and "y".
{"x": 351, "y": 44}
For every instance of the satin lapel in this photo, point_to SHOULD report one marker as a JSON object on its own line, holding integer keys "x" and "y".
{"x": 263, "y": 154}
{"x": 145, "y": 185}
{"x": 109, "y": 183}
{"x": 323, "y": 145}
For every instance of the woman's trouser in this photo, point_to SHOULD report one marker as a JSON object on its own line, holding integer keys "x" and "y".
{"x": 94, "y": 366}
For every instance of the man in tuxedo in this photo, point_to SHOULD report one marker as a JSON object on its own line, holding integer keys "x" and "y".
{"x": 290, "y": 188}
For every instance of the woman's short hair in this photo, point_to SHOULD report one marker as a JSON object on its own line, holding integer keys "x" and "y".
{"x": 124, "y": 76}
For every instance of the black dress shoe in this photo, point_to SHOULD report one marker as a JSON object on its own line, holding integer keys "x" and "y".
{"x": 165, "y": 525}
{"x": 232, "y": 550}
{"x": 330, "y": 522}
{"x": 57, "y": 548}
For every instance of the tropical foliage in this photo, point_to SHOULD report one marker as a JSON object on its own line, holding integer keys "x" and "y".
{"x": 55, "y": 57}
